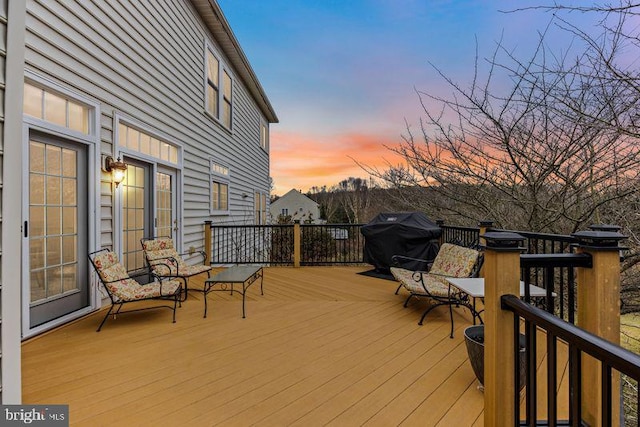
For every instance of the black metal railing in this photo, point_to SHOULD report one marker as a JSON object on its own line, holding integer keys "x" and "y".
{"x": 320, "y": 244}
{"x": 555, "y": 276}
{"x": 252, "y": 244}
{"x": 462, "y": 236}
{"x": 613, "y": 359}
{"x": 323, "y": 244}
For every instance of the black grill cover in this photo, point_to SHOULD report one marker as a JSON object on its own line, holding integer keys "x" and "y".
{"x": 410, "y": 234}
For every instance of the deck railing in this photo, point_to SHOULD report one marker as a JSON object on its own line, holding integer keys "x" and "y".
{"x": 323, "y": 244}
{"x": 556, "y": 277}
{"x": 251, "y": 244}
{"x": 319, "y": 244}
{"x": 596, "y": 361}
{"x": 611, "y": 357}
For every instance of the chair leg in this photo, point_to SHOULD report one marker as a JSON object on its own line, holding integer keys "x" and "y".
{"x": 428, "y": 310}
{"x": 451, "y": 317}
{"x": 407, "y": 300}
{"x": 105, "y": 318}
{"x": 176, "y": 298}
{"x": 185, "y": 290}
{"x": 398, "y": 288}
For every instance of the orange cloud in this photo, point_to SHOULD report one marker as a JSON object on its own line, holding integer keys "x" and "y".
{"x": 303, "y": 161}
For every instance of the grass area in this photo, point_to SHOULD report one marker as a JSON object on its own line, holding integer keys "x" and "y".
{"x": 630, "y": 332}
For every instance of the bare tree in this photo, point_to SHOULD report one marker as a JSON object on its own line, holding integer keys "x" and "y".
{"x": 355, "y": 198}
{"x": 544, "y": 153}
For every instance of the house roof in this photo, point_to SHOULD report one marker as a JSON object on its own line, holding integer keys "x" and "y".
{"x": 216, "y": 22}
{"x": 292, "y": 194}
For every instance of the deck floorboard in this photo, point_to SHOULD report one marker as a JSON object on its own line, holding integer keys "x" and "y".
{"x": 322, "y": 346}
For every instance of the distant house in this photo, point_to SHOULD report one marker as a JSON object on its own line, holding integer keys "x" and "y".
{"x": 297, "y": 206}
{"x": 162, "y": 86}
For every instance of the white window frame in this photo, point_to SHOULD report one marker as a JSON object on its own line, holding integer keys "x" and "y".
{"x": 260, "y": 206}
{"x": 92, "y": 141}
{"x": 264, "y": 135}
{"x": 220, "y": 179}
{"x": 155, "y": 162}
{"x": 222, "y": 69}
{"x": 119, "y": 118}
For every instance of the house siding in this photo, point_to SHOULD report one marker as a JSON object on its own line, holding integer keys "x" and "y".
{"x": 3, "y": 57}
{"x": 145, "y": 61}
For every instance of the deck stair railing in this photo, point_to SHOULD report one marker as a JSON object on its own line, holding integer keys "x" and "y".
{"x": 595, "y": 358}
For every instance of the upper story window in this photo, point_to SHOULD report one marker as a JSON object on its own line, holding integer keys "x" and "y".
{"x": 226, "y": 99}
{"x": 213, "y": 83}
{"x": 57, "y": 109}
{"x": 264, "y": 136}
{"x": 219, "y": 188}
{"x": 141, "y": 142}
{"x": 219, "y": 90}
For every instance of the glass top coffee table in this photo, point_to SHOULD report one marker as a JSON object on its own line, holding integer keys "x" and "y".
{"x": 246, "y": 275}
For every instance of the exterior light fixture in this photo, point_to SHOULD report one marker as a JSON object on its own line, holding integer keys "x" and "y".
{"x": 117, "y": 169}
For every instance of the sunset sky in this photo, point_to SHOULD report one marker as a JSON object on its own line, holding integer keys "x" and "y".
{"x": 342, "y": 75}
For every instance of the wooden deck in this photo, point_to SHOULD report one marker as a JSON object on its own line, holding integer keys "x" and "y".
{"x": 324, "y": 345}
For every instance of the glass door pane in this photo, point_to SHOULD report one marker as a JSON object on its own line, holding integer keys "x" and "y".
{"x": 135, "y": 214}
{"x": 166, "y": 223}
{"x": 57, "y": 235}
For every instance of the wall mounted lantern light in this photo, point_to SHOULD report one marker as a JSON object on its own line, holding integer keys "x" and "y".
{"x": 117, "y": 169}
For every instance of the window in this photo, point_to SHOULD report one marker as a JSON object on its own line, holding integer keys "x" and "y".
{"x": 213, "y": 78}
{"x": 226, "y": 100}
{"x": 219, "y": 188}
{"x": 264, "y": 136}
{"x": 219, "y": 90}
{"x": 56, "y": 109}
{"x": 141, "y": 142}
{"x": 285, "y": 211}
{"x": 260, "y": 205}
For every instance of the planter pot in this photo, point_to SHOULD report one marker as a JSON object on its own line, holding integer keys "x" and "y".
{"x": 474, "y": 339}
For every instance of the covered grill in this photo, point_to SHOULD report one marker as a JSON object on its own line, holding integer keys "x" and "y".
{"x": 410, "y": 234}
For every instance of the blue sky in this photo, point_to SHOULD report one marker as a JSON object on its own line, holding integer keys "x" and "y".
{"x": 342, "y": 75}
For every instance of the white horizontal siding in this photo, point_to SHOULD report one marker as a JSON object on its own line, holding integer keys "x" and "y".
{"x": 145, "y": 60}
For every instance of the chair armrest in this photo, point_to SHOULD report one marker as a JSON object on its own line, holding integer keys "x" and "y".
{"x": 401, "y": 260}
{"x": 170, "y": 262}
{"x": 161, "y": 278}
{"x": 203, "y": 254}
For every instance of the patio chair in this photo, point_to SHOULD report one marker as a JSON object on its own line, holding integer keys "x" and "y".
{"x": 123, "y": 289}
{"x": 163, "y": 260}
{"x": 430, "y": 282}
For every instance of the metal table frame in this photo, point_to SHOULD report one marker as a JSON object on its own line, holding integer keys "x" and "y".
{"x": 247, "y": 275}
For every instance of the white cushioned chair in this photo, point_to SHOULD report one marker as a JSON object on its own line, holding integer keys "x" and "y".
{"x": 122, "y": 288}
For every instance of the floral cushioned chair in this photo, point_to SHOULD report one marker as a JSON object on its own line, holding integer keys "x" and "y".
{"x": 451, "y": 261}
{"x": 122, "y": 288}
{"x": 163, "y": 260}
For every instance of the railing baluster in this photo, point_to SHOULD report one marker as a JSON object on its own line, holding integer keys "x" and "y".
{"x": 516, "y": 368}
{"x": 552, "y": 366}
{"x": 532, "y": 398}
{"x": 575, "y": 385}
{"x": 606, "y": 395}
